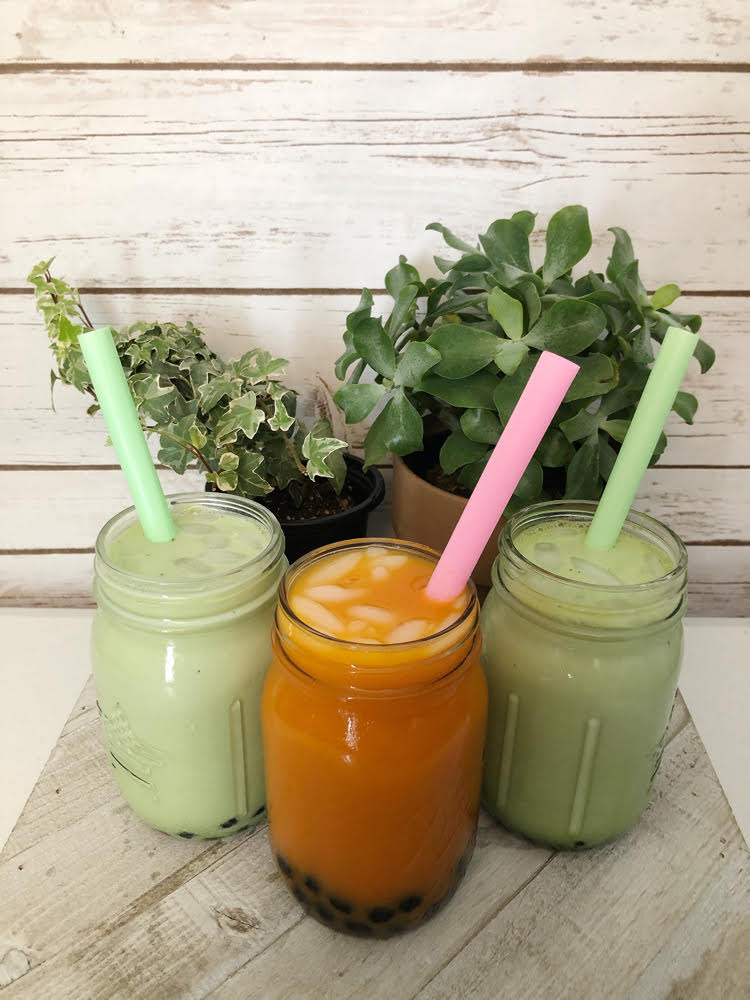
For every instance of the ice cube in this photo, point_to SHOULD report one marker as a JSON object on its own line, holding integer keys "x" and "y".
{"x": 226, "y": 557}
{"x": 316, "y": 615}
{"x": 379, "y": 573}
{"x": 219, "y": 542}
{"x": 546, "y": 555}
{"x": 378, "y": 616}
{"x": 409, "y": 631}
{"x": 447, "y": 622}
{"x": 393, "y": 561}
{"x": 329, "y": 593}
{"x": 195, "y": 527}
{"x": 332, "y": 570}
{"x": 591, "y": 573}
{"x": 192, "y": 567}
{"x": 361, "y": 631}
{"x": 376, "y": 552}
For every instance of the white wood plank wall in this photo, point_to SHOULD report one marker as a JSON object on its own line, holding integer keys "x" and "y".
{"x": 252, "y": 165}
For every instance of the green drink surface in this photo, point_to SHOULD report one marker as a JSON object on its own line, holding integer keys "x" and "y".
{"x": 558, "y": 546}
{"x": 208, "y": 542}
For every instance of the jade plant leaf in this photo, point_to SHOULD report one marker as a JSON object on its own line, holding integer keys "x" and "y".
{"x": 463, "y": 350}
{"x": 568, "y": 241}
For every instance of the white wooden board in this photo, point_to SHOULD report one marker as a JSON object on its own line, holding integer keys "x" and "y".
{"x": 307, "y": 330}
{"x": 318, "y": 179}
{"x": 263, "y": 31}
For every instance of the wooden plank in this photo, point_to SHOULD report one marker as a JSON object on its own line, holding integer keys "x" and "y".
{"x": 592, "y": 925}
{"x": 64, "y": 508}
{"x": 201, "y": 911}
{"x": 719, "y": 577}
{"x": 305, "y": 178}
{"x": 262, "y": 32}
{"x": 307, "y": 330}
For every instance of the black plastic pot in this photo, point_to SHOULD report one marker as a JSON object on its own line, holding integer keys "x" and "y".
{"x": 368, "y": 490}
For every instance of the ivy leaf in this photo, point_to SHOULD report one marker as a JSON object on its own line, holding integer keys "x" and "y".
{"x": 567, "y": 327}
{"x": 242, "y": 414}
{"x": 414, "y": 363}
{"x": 507, "y": 311}
{"x": 317, "y": 450}
{"x": 474, "y": 391}
{"x": 152, "y": 398}
{"x": 481, "y": 425}
{"x": 597, "y": 375}
{"x": 399, "y": 276}
{"x": 453, "y": 241}
{"x": 258, "y": 366}
{"x": 373, "y": 345}
{"x": 463, "y": 350}
{"x": 229, "y": 461}
{"x": 281, "y": 419}
{"x": 458, "y": 450}
{"x": 175, "y": 454}
{"x": 582, "y": 479}
{"x": 685, "y": 405}
{"x": 398, "y": 428}
{"x": 249, "y": 481}
{"x": 665, "y": 296}
{"x": 507, "y": 246}
{"x": 213, "y": 390}
{"x": 359, "y": 399}
{"x": 568, "y": 241}
{"x": 509, "y": 355}
{"x": 68, "y": 332}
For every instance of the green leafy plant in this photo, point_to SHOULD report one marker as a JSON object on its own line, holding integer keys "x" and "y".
{"x": 235, "y": 418}
{"x": 457, "y": 352}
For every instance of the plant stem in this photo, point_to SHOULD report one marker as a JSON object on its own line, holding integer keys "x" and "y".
{"x": 287, "y": 442}
{"x": 187, "y": 445}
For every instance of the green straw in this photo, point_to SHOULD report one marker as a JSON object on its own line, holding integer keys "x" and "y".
{"x": 113, "y": 395}
{"x": 638, "y": 447}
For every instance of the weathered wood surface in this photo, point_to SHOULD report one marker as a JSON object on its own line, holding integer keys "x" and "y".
{"x": 318, "y": 179}
{"x": 307, "y": 330}
{"x": 424, "y": 31}
{"x": 97, "y": 905}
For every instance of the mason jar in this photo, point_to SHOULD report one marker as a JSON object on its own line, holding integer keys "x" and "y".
{"x": 181, "y": 644}
{"x": 582, "y": 678}
{"x": 373, "y": 762}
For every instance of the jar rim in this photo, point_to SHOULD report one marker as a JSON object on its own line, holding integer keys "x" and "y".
{"x": 231, "y": 503}
{"x": 368, "y": 648}
{"x": 549, "y": 509}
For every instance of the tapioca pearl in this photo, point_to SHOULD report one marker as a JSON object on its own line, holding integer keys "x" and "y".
{"x": 229, "y": 823}
{"x": 299, "y": 895}
{"x": 381, "y": 914}
{"x": 312, "y": 884}
{"x": 185, "y": 835}
{"x": 340, "y": 904}
{"x": 316, "y": 615}
{"x": 409, "y": 903}
{"x": 284, "y": 865}
{"x": 324, "y": 913}
{"x": 409, "y": 631}
{"x": 331, "y": 570}
{"x": 331, "y": 593}
{"x": 259, "y": 811}
{"x": 370, "y": 613}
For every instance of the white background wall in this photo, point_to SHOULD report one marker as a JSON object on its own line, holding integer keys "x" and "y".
{"x": 252, "y": 165}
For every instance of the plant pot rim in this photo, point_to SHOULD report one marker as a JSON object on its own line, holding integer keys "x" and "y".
{"x": 429, "y": 487}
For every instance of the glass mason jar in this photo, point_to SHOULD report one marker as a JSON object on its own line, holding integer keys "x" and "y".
{"x": 582, "y": 679}
{"x": 373, "y": 763}
{"x": 179, "y": 666}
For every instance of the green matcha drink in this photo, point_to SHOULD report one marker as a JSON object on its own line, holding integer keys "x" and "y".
{"x": 582, "y": 652}
{"x": 180, "y": 646}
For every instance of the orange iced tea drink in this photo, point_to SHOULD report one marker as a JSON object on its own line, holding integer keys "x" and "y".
{"x": 374, "y": 714}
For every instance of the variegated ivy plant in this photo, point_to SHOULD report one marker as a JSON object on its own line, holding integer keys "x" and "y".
{"x": 235, "y": 418}
{"x": 459, "y": 350}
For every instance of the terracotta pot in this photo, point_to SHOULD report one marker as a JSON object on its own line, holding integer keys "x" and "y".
{"x": 424, "y": 513}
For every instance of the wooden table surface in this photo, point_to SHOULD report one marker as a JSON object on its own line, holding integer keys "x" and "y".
{"x": 95, "y": 904}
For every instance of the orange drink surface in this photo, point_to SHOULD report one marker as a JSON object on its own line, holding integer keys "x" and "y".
{"x": 374, "y": 714}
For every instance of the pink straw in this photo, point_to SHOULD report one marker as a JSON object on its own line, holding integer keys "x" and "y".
{"x": 531, "y": 417}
